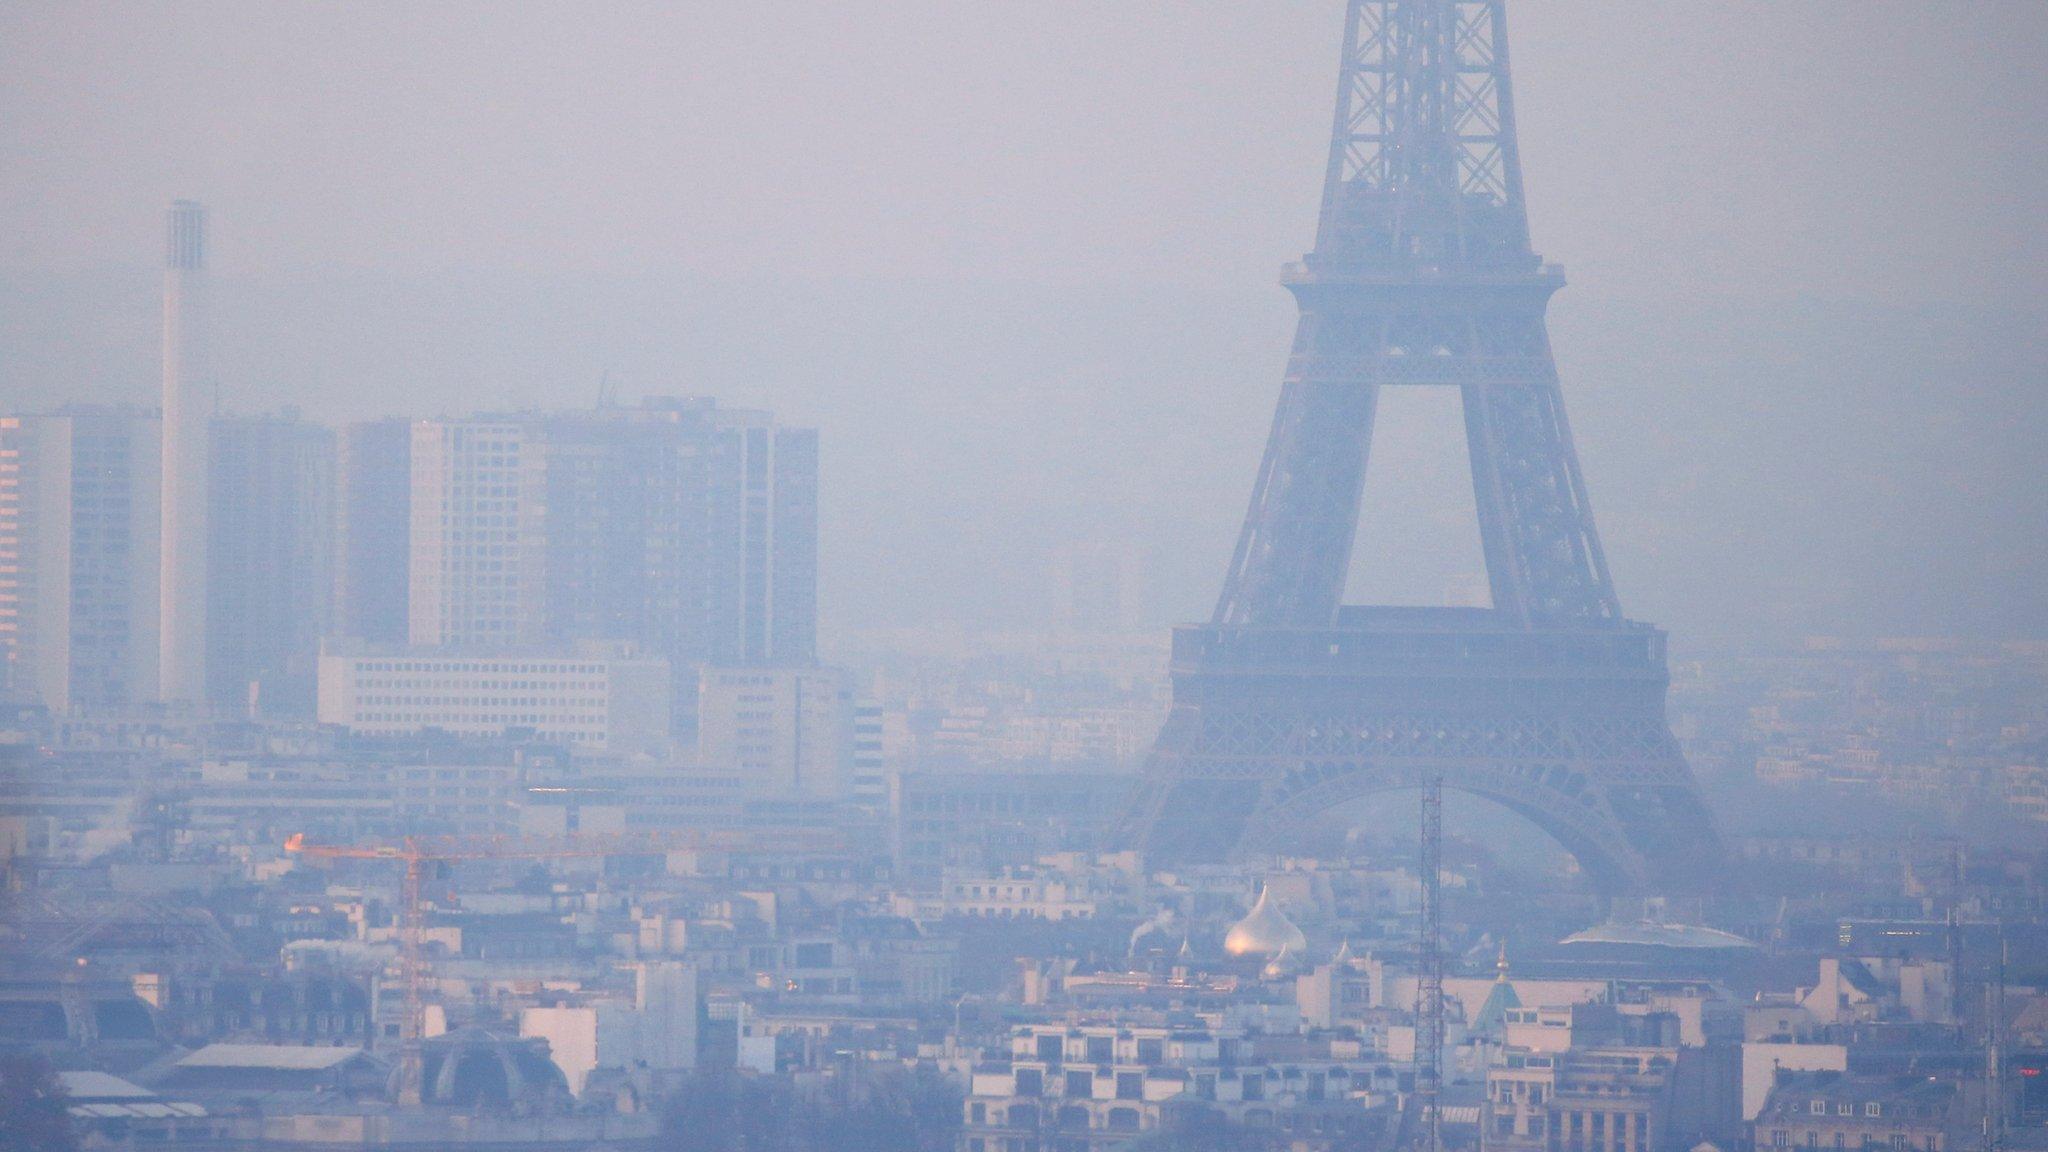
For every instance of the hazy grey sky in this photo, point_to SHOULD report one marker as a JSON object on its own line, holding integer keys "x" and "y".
{"x": 1848, "y": 148}
{"x": 1017, "y": 262}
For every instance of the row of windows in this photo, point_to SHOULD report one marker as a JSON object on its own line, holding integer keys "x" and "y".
{"x": 497, "y": 720}
{"x": 1897, "y": 1142}
{"x": 1845, "y": 1108}
{"x": 477, "y": 696}
{"x": 491, "y": 667}
{"x": 414, "y": 716}
{"x": 1004, "y": 891}
{"x": 588, "y": 683}
{"x": 558, "y": 709}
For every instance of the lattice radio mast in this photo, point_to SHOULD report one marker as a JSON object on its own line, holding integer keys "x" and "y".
{"x": 1429, "y": 983}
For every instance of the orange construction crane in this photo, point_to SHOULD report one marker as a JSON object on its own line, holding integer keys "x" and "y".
{"x": 417, "y": 851}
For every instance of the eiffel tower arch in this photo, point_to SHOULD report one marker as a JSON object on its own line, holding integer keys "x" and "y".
{"x": 1550, "y": 702}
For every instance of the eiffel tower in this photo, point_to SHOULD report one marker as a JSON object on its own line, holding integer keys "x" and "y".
{"x": 1549, "y": 702}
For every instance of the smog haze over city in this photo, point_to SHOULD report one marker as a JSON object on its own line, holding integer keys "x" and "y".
{"x": 996, "y": 578}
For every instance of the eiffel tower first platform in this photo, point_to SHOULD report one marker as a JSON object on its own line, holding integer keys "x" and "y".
{"x": 1550, "y": 702}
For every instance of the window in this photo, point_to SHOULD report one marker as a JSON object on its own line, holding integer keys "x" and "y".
{"x": 1080, "y": 1083}
{"x": 1778, "y": 1138}
{"x": 1873, "y": 1108}
{"x": 1818, "y": 1108}
{"x": 1100, "y": 1049}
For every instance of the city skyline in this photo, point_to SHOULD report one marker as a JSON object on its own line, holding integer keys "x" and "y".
{"x": 611, "y": 593}
{"x": 1088, "y": 336}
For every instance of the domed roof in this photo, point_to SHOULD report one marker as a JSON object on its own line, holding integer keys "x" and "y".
{"x": 1650, "y": 934}
{"x": 1265, "y": 931}
{"x": 1282, "y": 965}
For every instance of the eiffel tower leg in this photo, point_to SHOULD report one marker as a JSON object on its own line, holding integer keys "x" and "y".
{"x": 1182, "y": 813}
{"x": 1295, "y": 549}
{"x": 1543, "y": 558}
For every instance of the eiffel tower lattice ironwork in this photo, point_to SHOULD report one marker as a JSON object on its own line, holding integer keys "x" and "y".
{"x": 1550, "y": 702}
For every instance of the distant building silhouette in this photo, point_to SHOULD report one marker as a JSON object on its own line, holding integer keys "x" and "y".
{"x": 373, "y": 526}
{"x": 1097, "y": 587}
{"x": 684, "y": 526}
{"x": 270, "y": 560}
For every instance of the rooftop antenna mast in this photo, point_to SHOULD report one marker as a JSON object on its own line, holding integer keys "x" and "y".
{"x": 1994, "y": 1056}
{"x": 1429, "y": 983}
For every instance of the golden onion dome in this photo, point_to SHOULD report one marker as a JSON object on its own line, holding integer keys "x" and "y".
{"x": 1282, "y": 966}
{"x": 1265, "y": 931}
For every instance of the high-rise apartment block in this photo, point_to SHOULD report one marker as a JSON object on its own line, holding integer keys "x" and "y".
{"x": 681, "y": 527}
{"x": 188, "y": 404}
{"x": 79, "y": 557}
{"x": 478, "y": 534}
{"x": 688, "y": 527}
{"x": 270, "y": 560}
{"x": 373, "y": 531}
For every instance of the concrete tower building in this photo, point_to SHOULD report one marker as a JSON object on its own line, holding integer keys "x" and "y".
{"x": 688, "y": 529}
{"x": 373, "y": 531}
{"x": 271, "y": 520}
{"x": 78, "y": 557}
{"x": 188, "y": 403}
{"x": 476, "y": 548}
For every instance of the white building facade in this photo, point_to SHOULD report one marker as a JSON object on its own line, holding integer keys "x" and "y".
{"x": 603, "y": 701}
{"x": 477, "y": 545}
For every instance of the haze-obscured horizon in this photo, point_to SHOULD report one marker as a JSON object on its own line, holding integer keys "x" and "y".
{"x": 1018, "y": 266}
